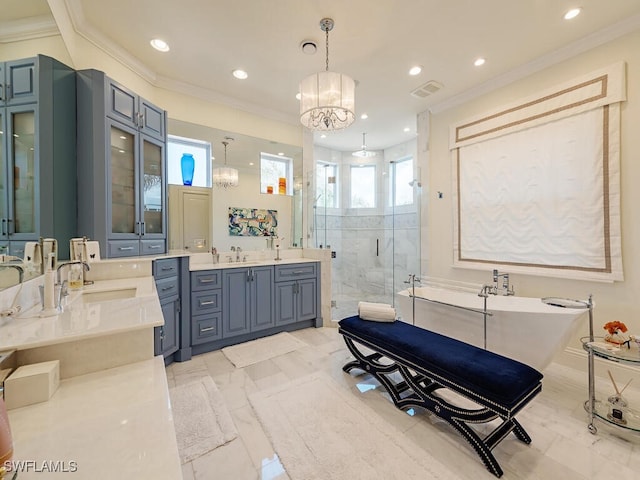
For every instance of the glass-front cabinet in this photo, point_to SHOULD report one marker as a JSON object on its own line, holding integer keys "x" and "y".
{"x": 37, "y": 148}
{"x": 137, "y": 175}
{"x": 127, "y": 215}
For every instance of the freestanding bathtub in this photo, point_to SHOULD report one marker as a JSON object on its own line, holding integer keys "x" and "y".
{"x": 522, "y": 328}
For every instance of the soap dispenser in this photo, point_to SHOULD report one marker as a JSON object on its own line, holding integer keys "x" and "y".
{"x": 49, "y": 307}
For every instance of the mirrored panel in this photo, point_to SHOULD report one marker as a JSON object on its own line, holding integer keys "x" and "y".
{"x": 243, "y": 153}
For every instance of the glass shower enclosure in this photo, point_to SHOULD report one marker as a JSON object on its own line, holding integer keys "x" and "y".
{"x": 376, "y": 242}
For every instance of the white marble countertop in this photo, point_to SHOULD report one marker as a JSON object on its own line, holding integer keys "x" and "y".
{"x": 116, "y": 423}
{"x": 87, "y": 313}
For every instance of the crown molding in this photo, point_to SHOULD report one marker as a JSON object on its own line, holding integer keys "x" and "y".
{"x": 88, "y": 32}
{"x": 102, "y": 42}
{"x": 585, "y": 44}
{"x": 28, "y": 29}
{"x": 213, "y": 96}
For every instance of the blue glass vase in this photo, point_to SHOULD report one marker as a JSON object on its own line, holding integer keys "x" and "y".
{"x": 187, "y": 164}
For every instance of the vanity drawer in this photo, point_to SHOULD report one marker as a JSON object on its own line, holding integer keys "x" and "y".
{"x": 123, "y": 248}
{"x": 206, "y": 328}
{"x": 165, "y": 268}
{"x": 152, "y": 247}
{"x": 206, "y": 302}
{"x": 168, "y": 287}
{"x": 295, "y": 271}
{"x": 206, "y": 280}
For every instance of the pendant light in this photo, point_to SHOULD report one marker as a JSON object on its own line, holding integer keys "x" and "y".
{"x": 327, "y": 99}
{"x": 225, "y": 176}
{"x": 364, "y": 153}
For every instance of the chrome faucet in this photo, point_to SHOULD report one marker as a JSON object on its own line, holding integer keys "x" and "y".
{"x": 19, "y": 268}
{"x": 505, "y": 289}
{"x": 85, "y": 265}
{"x": 238, "y": 250}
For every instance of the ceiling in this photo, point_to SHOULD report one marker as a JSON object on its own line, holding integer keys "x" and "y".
{"x": 373, "y": 41}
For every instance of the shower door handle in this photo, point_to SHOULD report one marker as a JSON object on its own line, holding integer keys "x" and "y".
{"x": 377, "y": 247}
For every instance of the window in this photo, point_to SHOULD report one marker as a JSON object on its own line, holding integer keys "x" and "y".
{"x": 327, "y": 185}
{"x": 401, "y": 191}
{"x": 363, "y": 186}
{"x": 273, "y": 168}
{"x": 201, "y": 151}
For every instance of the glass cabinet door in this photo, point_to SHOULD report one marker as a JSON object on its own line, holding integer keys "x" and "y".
{"x": 123, "y": 182}
{"x": 3, "y": 181}
{"x": 22, "y": 174}
{"x": 152, "y": 191}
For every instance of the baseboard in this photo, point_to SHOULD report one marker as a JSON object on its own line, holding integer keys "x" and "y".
{"x": 577, "y": 358}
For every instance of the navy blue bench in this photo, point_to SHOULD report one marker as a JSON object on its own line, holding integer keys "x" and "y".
{"x": 428, "y": 361}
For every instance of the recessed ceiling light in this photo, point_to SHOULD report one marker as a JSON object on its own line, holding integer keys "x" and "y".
{"x": 479, "y": 61}
{"x": 573, "y": 13}
{"x": 364, "y": 116}
{"x": 281, "y": 154}
{"x": 323, "y": 136}
{"x": 240, "y": 74}
{"x": 407, "y": 129}
{"x": 251, "y": 164}
{"x": 159, "y": 45}
{"x": 415, "y": 70}
{"x": 298, "y": 96}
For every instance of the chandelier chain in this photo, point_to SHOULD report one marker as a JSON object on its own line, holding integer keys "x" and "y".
{"x": 327, "y": 46}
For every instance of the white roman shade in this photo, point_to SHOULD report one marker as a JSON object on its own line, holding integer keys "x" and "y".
{"x": 537, "y": 183}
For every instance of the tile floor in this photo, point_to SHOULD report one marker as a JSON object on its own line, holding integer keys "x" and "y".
{"x": 562, "y": 447}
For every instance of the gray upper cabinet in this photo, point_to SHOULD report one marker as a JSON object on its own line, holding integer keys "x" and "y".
{"x": 19, "y": 81}
{"x": 121, "y": 168}
{"x": 37, "y": 149}
{"x": 132, "y": 110}
{"x": 248, "y": 295}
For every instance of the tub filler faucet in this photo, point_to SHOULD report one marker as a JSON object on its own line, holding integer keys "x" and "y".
{"x": 503, "y": 289}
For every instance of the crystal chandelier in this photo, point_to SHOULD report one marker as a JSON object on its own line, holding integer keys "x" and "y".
{"x": 225, "y": 176}
{"x": 327, "y": 99}
{"x": 363, "y": 152}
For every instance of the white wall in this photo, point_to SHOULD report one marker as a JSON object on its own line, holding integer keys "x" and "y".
{"x": 614, "y": 301}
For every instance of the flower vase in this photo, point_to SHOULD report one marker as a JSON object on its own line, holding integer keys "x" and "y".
{"x": 617, "y": 338}
{"x": 187, "y": 164}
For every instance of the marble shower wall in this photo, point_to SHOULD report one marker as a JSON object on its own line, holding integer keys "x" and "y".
{"x": 357, "y": 271}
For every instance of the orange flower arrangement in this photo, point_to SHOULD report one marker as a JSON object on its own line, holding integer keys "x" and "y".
{"x": 615, "y": 327}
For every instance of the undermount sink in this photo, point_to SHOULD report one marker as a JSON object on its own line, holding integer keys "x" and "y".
{"x": 106, "y": 295}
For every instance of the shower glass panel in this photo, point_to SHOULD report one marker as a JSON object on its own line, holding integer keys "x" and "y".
{"x": 372, "y": 222}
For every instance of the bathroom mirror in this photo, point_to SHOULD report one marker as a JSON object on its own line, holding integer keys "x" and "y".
{"x": 243, "y": 153}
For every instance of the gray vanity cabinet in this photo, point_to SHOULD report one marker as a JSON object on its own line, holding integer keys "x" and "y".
{"x": 296, "y": 293}
{"x": 166, "y": 273}
{"x": 206, "y": 306}
{"x": 37, "y": 149}
{"x": 121, "y": 139}
{"x": 248, "y": 295}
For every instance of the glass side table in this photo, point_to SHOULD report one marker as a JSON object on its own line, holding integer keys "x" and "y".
{"x": 625, "y": 417}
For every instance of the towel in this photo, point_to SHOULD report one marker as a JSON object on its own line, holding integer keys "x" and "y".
{"x": 377, "y": 312}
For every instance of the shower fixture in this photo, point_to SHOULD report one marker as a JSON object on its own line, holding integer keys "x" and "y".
{"x": 415, "y": 182}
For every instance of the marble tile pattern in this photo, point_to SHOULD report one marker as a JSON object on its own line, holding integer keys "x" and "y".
{"x": 562, "y": 446}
